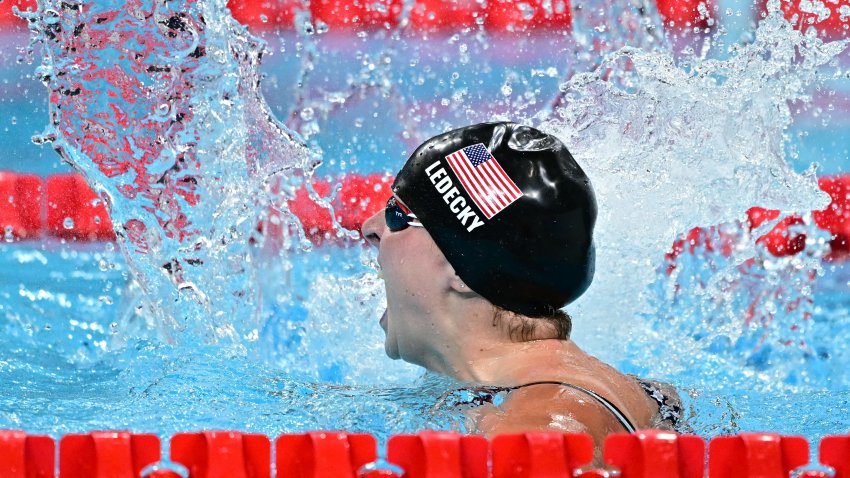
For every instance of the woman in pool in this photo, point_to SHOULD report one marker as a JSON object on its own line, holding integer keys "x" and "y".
{"x": 488, "y": 235}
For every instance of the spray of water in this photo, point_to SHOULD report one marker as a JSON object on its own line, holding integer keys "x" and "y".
{"x": 684, "y": 148}
{"x": 157, "y": 105}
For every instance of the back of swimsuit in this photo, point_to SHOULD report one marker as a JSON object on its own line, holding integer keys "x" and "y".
{"x": 669, "y": 408}
{"x": 619, "y": 415}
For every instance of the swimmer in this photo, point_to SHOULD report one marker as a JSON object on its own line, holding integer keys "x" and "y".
{"x": 488, "y": 235}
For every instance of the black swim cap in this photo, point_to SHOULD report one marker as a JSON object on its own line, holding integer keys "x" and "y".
{"x": 510, "y": 209}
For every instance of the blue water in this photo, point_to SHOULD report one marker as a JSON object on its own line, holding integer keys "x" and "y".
{"x": 83, "y": 348}
{"x": 60, "y": 304}
{"x": 23, "y": 105}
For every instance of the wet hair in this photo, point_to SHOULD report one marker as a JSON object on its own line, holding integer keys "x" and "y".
{"x": 556, "y": 324}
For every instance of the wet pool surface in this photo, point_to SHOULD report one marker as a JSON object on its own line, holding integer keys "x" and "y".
{"x": 58, "y": 377}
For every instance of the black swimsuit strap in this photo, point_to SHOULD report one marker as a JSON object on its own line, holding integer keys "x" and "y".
{"x": 620, "y": 416}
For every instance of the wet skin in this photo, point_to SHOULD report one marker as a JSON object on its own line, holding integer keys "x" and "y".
{"x": 434, "y": 320}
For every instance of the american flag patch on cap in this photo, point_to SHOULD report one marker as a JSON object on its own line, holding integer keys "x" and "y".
{"x": 483, "y": 179}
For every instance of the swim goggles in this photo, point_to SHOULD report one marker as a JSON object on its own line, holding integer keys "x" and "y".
{"x": 399, "y": 217}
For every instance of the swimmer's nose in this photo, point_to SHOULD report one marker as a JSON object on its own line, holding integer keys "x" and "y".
{"x": 373, "y": 228}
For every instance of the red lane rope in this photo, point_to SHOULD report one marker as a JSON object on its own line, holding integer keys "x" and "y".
{"x": 830, "y": 18}
{"x": 496, "y": 15}
{"x": 427, "y": 454}
{"x": 426, "y": 15}
{"x": 359, "y": 197}
{"x": 8, "y": 21}
{"x": 441, "y": 15}
{"x": 64, "y": 207}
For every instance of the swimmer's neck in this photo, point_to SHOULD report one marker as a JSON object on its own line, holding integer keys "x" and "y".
{"x": 516, "y": 363}
{"x": 471, "y": 349}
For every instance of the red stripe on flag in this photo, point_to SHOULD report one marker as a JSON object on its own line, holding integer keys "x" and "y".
{"x": 499, "y": 187}
{"x": 509, "y": 186}
{"x": 494, "y": 191}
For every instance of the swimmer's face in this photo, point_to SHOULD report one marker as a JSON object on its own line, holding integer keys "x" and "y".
{"x": 416, "y": 275}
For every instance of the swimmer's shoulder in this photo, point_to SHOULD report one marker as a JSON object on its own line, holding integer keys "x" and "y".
{"x": 621, "y": 390}
{"x": 546, "y": 407}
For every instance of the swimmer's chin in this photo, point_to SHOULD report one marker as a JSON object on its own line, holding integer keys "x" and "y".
{"x": 392, "y": 354}
{"x": 391, "y": 351}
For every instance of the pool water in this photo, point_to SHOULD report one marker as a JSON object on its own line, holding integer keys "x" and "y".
{"x": 62, "y": 375}
{"x": 233, "y": 336}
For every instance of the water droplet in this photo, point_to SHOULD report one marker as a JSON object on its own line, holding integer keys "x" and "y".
{"x": 507, "y": 90}
{"x": 43, "y": 138}
{"x": 8, "y": 234}
{"x": 264, "y": 18}
{"x": 68, "y": 223}
{"x": 220, "y": 56}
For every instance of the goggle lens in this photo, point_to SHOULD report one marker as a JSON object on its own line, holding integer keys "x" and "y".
{"x": 398, "y": 217}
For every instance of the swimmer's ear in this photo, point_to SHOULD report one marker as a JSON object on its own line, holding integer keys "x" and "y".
{"x": 458, "y": 285}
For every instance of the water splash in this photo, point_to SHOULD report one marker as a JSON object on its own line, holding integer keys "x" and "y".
{"x": 729, "y": 313}
{"x": 684, "y": 147}
{"x": 157, "y": 104}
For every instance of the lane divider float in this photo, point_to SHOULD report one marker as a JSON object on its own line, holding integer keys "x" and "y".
{"x": 830, "y": 18}
{"x": 503, "y": 16}
{"x": 63, "y": 206}
{"x": 427, "y": 454}
{"x": 507, "y": 16}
